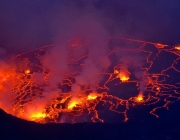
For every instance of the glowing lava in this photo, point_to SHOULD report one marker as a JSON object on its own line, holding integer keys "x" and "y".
{"x": 177, "y": 47}
{"x": 28, "y": 71}
{"x": 79, "y": 86}
{"x": 37, "y": 116}
{"x": 74, "y": 103}
{"x": 139, "y": 98}
{"x": 158, "y": 45}
{"x": 91, "y": 96}
{"x": 123, "y": 77}
{"x": 123, "y": 74}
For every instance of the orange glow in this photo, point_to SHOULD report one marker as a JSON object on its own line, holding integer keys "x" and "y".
{"x": 91, "y": 96}
{"x": 73, "y": 103}
{"x": 28, "y": 71}
{"x": 3, "y": 78}
{"x": 139, "y": 98}
{"x": 158, "y": 89}
{"x": 37, "y": 115}
{"x": 124, "y": 78}
{"x": 122, "y": 75}
{"x": 177, "y": 47}
{"x": 6, "y": 78}
{"x": 116, "y": 72}
{"x": 160, "y": 45}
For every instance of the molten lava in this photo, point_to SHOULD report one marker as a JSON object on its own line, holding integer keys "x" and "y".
{"x": 37, "y": 116}
{"x": 79, "y": 85}
{"x": 123, "y": 75}
{"x": 91, "y": 96}
{"x": 74, "y": 103}
{"x": 139, "y": 98}
{"x": 27, "y": 71}
{"x": 177, "y": 47}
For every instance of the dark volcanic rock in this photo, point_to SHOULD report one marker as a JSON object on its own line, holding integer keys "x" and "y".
{"x": 14, "y": 128}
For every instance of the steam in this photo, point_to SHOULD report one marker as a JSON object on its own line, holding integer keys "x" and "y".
{"x": 92, "y": 33}
{"x": 55, "y": 61}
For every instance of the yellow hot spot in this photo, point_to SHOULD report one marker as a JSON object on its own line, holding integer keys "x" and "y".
{"x": 139, "y": 98}
{"x": 177, "y": 47}
{"x": 122, "y": 75}
{"x": 73, "y": 104}
{"x": 91, "y": 97}
{"x": 27, "y": 71}
{"x": 38, "y": 115}
{"x": 124, "y": 78}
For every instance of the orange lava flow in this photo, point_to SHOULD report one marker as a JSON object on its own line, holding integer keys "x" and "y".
{"x": 81, "y": 85}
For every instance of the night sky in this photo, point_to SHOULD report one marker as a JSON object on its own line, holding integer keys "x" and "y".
{"x": 30, "y": 24}
{"x": 25, "y": 25}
